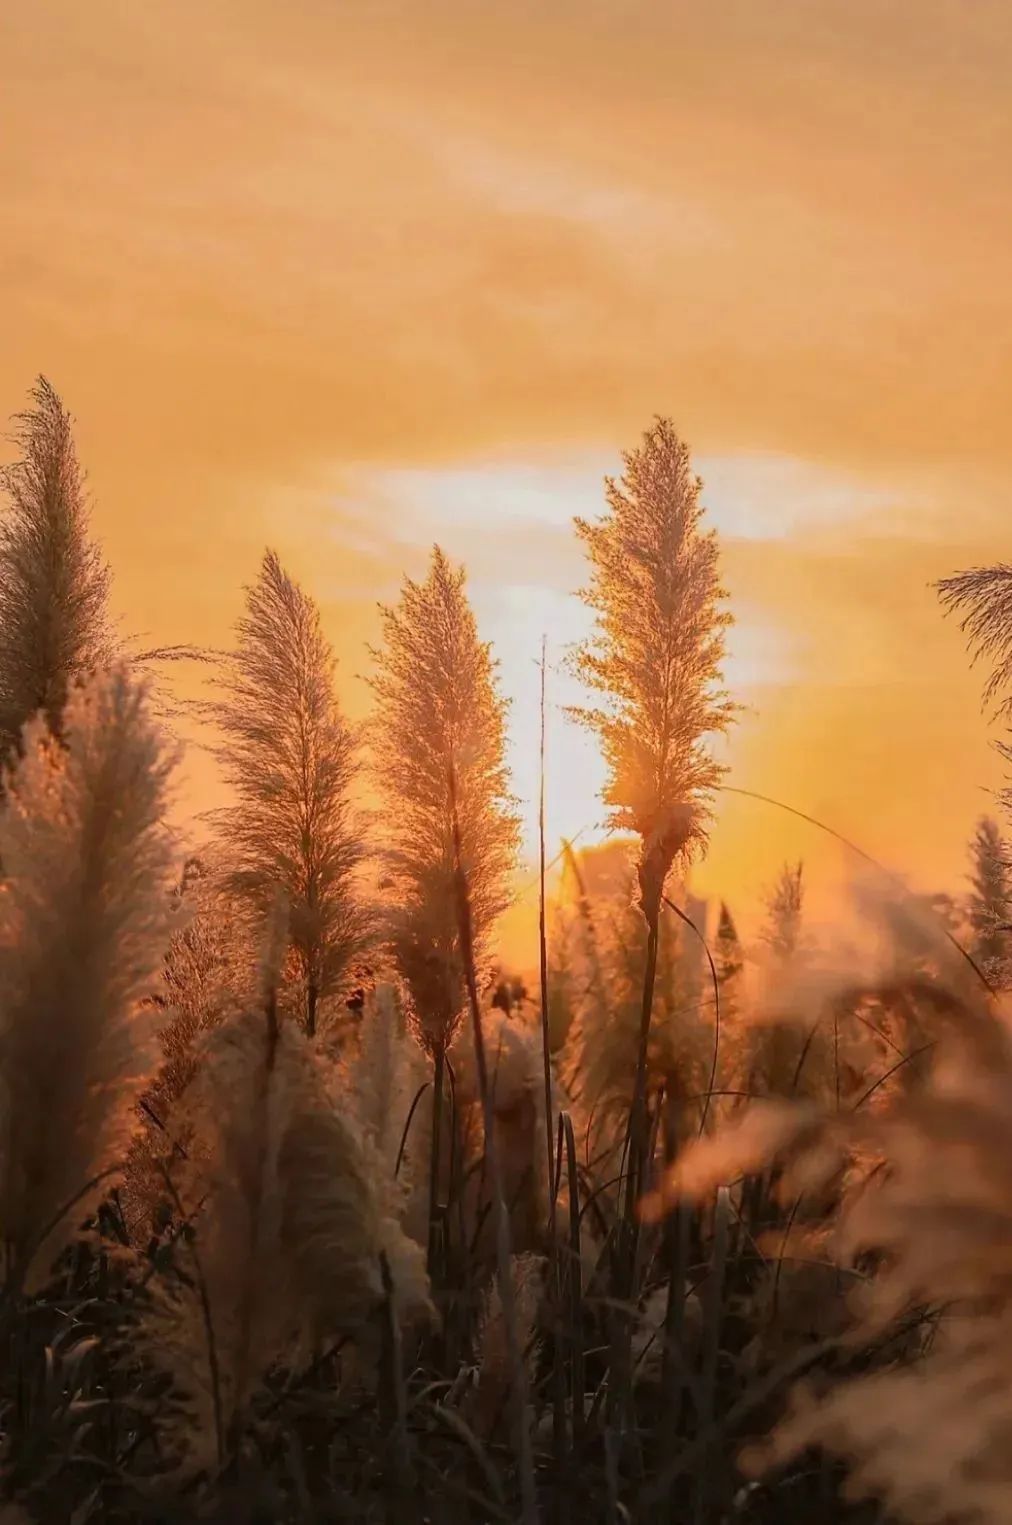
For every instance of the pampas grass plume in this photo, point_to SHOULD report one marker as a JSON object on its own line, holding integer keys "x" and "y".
{"x": 84, "y": 923}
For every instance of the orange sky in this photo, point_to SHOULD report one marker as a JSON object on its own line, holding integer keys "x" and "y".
{"x": 348, "y": 276}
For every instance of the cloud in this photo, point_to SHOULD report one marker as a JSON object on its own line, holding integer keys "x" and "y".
{"x": 394, "y": 232}
{"x": 302, "y": 269}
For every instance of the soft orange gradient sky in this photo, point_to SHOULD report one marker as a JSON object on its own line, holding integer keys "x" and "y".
{"x": 348, "y": 277}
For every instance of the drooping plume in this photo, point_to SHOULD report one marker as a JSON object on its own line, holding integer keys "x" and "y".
{"x": 54, "y": 584}
{"x": 928, "y": 1436}
{"x": 490, "y": 1396}
{"x": 84, "y": 924}
{"x": 289, "y": 756}
{"x": 209, "y": 971}
{"x": 982, "y": 598}
{"x": 290, "y": 1216}
{"x": 384, "y": 1076}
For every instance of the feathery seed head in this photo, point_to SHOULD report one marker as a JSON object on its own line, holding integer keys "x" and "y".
{"x": 54, "y": 585}
{"x": 291, "y": 1209}
{"x": 656, "y": 653}
{"x": 289, "y": 756}
{"x": 85, "y": 920}
{"x": 490, "y": 1399}
{"x": 938, "y": 1221}
{"x": 439, "y": 759}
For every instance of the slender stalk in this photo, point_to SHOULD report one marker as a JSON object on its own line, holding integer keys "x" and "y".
{"x": 207, "y": 1319}
{"x": 522, "y": 1438}
{"x": 586, "y": 919}
{"x": 676, "y": 1248}
{"x": 710, "y": 1091}
{"x": 638, "y": 1112}
{"x": 407, "y": 1127}
{"x": 714, "y": 1308}
{"x": 434, "y": 1259}
{"x": 402, "y": 1492}
{"x": 245, "y": 1311}
{"x": 636, "y": 1149}
{"x": 543, "y": 949}
{"x": 578, "y": 1381}
{"x": 554, "y": 1277}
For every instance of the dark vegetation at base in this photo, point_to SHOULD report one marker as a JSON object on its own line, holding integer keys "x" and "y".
{"x": 81, "y": 1415}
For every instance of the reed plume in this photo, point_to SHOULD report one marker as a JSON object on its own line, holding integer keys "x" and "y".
{"x": 54, "y": 584}
{"x": 929, "y": 1432}
{"x": 206, "y": 972}
{"x": 919, "y": 1201}
{"x": 341, "y": 1210}
{"x": 440, "y": 729}
{"x": 603, "y": 1044}
{"x": 383, "y": 1081}
{"x": 656, "y": 653}
{"x": 654, "y": 660}
{"x": 384, "y": 1076}
{"x": 490, "y": 1398}
{"x": 515, "y": 1061}
{"x": 210, "y": 971}
{"x": 84, "y": 923}
{"x": 289, "y": 1218}
{"x": 439, "y": 761}
{"x": 289, "y": 757}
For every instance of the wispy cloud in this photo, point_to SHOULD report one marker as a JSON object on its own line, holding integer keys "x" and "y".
{"x": 349, "y": 279}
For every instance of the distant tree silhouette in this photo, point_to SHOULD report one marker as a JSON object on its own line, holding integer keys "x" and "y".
{"x": 54, "y": 584}
{"x": 729, "y": 960}
{"x": 781, "y": 930}
{"x": 740, "y": 1036}
{"x": 289, "y": 756}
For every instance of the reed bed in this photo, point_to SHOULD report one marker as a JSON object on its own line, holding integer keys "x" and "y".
{"x": 308, "y": 1212}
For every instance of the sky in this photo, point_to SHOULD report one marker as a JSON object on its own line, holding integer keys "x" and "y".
{"x": 351, "y": 278}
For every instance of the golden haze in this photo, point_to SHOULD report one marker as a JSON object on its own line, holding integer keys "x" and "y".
{"x": 273, "y": 253}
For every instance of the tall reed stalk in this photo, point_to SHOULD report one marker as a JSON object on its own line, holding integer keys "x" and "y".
{"x": 521, "y": 1431}
{"x": 543, "y": 963}
{"x": 438, "y": 750}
